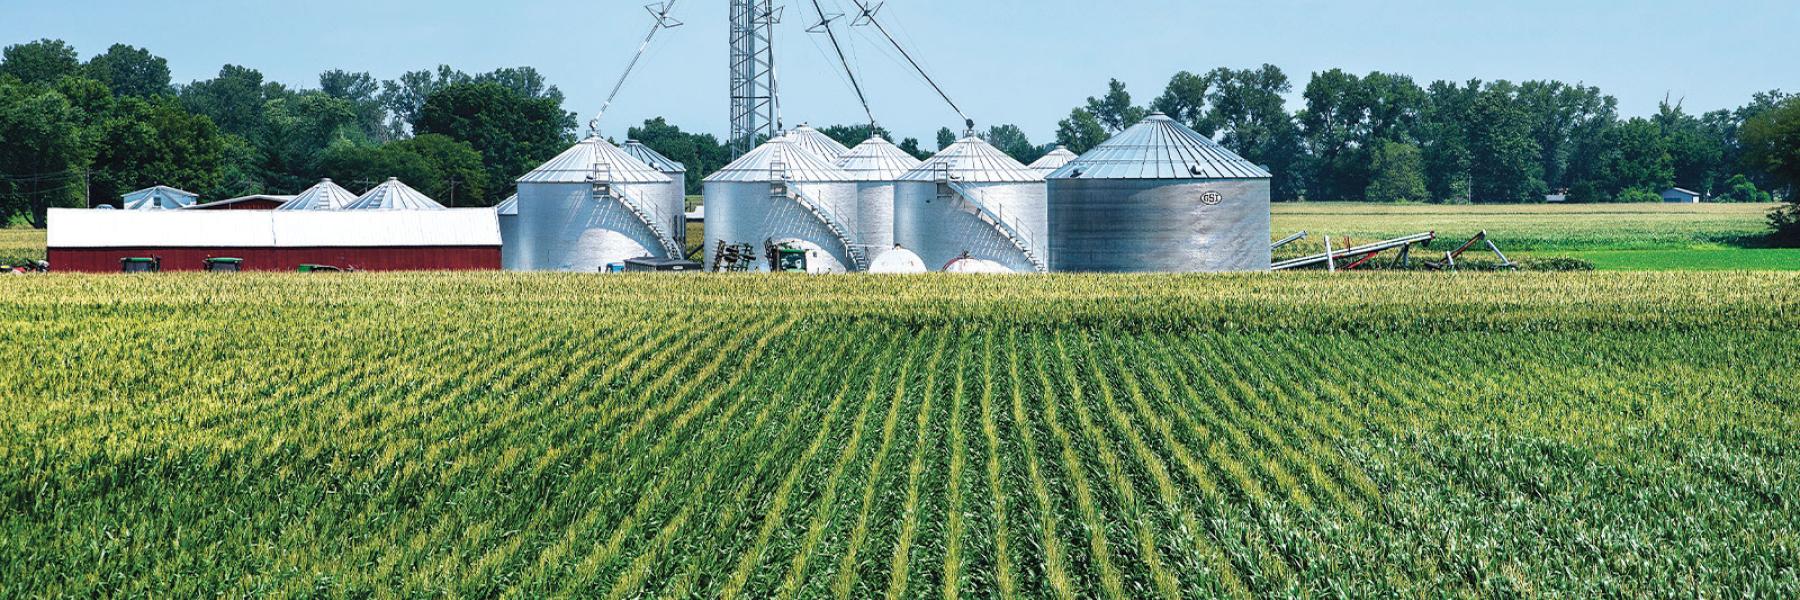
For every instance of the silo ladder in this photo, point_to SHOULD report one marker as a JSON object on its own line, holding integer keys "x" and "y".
{"x": 673, "y": 248}
{"x": 831, "y": 223}
{"x": 1007, "y": 230}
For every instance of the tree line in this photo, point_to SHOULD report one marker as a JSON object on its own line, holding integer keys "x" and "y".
{"x": 72, "y": 130}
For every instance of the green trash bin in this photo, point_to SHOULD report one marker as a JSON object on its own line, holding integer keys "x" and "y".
{"x": 224, "y": 265}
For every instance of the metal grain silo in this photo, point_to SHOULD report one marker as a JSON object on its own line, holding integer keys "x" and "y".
{"x": 394, "y": 195}
{"x": 817, "y": 142}
{"x": 877, "y": 166}
{"x": 508, "y": 214}
{"x": 973, "y": 201}
{"x": 1054, "y": 160}
{"x": 782, "y": 194}
{"x": 674, "y": 197}
{"x": 592, "y": 206}
{"x": 1159, "y": 197}
{"x": 324, "y": 195}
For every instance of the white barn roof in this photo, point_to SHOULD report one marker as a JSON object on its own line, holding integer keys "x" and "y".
{"x": 394, "y": 195}
{"x": 780, "y": 157}
{"x": 74, "y": 228}
{"x": 324, "y": 195}
{"x": 579, "y": 162}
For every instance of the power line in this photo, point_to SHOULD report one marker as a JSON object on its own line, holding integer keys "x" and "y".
{"x": 868, "y": 17}
{"x": 825, "y": 24}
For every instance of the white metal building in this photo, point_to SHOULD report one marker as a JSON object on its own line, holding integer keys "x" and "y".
{"x": 973, "y": 200}
{"x": 592, "y": 206}
{"x": 782, "y": 194}
{"x": 159, "y": 197}
{"x": 877, "y": 166}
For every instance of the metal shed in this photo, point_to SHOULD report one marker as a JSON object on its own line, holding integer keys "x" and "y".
{"x": 877, "y": 166}
{"x": 1159, "y": 197}
{"x": 783, "y": 195}
{"x": 159, "y": 197}
{"x": 972, "y": 199}
{"x": 324, "y": 195}
{"x": 394, "y": 195}
{"x": 94, "y": 241}
{"x": 817, "y": 142}
{"x": 1054, "y": 160}
{"x": 591, "y": 206}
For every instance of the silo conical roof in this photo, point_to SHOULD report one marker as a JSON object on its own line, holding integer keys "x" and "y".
{"x": 780, "y": 157}
{"x": 973, "y": 160}
{"x": 1054, "y": 160}
{"x": 581, "y": 161}
{"x": 877, "y": 160}
{"x": 1160, "y": 148}
{"x": 159, "y": 197}
{"x": 324, "y": 195}
{"x": 508, "y": 207}
{"x": 817, "y": 142}
{"x": 393, "y": 195}
{"x": 651, "y": 157}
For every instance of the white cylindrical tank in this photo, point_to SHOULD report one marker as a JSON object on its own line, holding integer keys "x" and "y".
{"x": 877, "y": 165}
{"x": 1159, "y": 198}
{"x": 973, "y": 200}
{"x": 576, "y": 212}
{"x": 762, "y": 199}
{"x": 507, "y": 213}
{"x": 674, "y": 196}
{"x": 898, "y": 261}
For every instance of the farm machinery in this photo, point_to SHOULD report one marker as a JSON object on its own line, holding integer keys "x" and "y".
{"x": 1351, "y": 257}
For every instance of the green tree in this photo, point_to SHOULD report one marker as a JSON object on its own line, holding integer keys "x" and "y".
{"x": 1249, "y": 114}
{"x": 1635, "y": 160}
{"x": 1186, "y": 98}
{"x": 945, "y": 137}
{"x": 41, "y": 152}
{"x": 1772, "y": 145}
{"x": 154, "y": 141}
{"x": 363, "y": 92}
{"x": 298, "y": 130}
{"x": 1334, "y": 124}
{"x": 1740, "y": 189}
{"x": 1399, "y": 173}
{"x": 130, "y": 71}
{"x": 911, "y": 146}
{"x": 1081, "y": 132}
{"x": 447, "y": 170}
{"x": 1562, "y": 116}
{"x": 852, "y": 135}
{"x": 405, "y": 97}
{"x": 1013, "y": 141}
{"x": 40, "y": 62}
{"x": 513, "y": 132}
{"x": 1444, "y": 139}
{"x": 236, "y": 100}
{"x": 1503, "y": 157}
{"x": 1115, "y": 109}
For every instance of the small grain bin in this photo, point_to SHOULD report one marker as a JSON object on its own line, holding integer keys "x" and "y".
{"x": 817, "y": 142}
{"x": 1159, "y": 197}
{"x": 973, "y": 201}
{"x": 1054, "y": 160}
{"x": 394, "y": 195}
{"x": 592, "y": 206}
{"x": 508, "y": 214}
{"x": 898, "y": 261}
{"x": 781, "y": 196}
{"x": 324, "y": 195}
{"x": 877, "y": 165}
{"x": 674, "y": 197}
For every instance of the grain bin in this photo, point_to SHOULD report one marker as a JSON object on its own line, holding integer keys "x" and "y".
{"x": 898, "y": 261}
{"x": 783, "y": 195}
{"x": 877, "y": 165}
{"x": 817, "y": 142}
{"x": 972, "y": 200}
{"x": 1159, "y": 197}
{"x": 324, "y": 195}
{"x": 674, "y": 197}
{"x": 1054, "y": 160}
{"x": 592, "y": 206}
{"x": 508, "y": 214}
{"x": 393, "y": 195}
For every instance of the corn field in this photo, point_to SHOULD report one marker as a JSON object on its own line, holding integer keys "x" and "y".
{"x": 753, "y": 437}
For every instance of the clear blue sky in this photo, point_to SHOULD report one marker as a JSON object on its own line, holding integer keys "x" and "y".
{"x": 1019, "y": 61}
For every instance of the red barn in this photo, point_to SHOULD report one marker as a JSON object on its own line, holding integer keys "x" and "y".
{"x": 257, "y": 202}
{"x": 95, "y": 241}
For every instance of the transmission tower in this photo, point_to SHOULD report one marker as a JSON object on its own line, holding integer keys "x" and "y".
{"x": 755, "y": 98}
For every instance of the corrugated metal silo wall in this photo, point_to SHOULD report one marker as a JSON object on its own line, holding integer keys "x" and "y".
{"x": 510, "y": 256}
{"x": 562, "y": 227}
{"x": 875, "y": 213}
{"x": 745, "y": 213}
{"x": 1158, "y": 226}
{"x": 674, "y": 204}
{"x": 942, "y": 230}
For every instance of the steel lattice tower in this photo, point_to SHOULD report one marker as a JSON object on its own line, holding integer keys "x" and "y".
{"x": 755, "y": 103}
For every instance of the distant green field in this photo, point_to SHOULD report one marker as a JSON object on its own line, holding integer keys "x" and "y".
{"x": 1538, "y": 227}
{"x": 1706, "y": 259}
